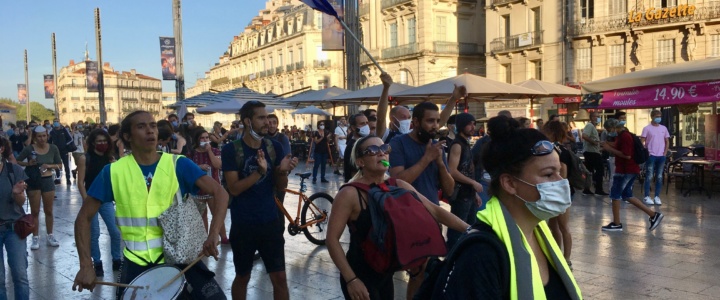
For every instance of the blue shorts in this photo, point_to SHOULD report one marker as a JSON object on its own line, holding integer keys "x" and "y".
{"x": 622, "y": 186}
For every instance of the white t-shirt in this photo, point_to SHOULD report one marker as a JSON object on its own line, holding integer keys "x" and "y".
{"x": 78, "y": 138}
{"x": 341, "y": 131}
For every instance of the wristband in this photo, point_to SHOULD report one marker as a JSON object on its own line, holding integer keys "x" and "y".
{"x": 351, "y": 280}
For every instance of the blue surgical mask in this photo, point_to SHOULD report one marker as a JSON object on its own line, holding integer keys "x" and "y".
{"x": 657, "y": 120}
{"x": 174, "y": 136}
{"x": 554, "y": 199}
{"x": 174, "y": 123}
{"x": 79, "y": 127}
{"x": 56, "y": 124}
{"x": 10, "y": 132}
{"x": 599, "y": 120}
{"x": 612, "y": 134}
{"x": 623, "y": 123}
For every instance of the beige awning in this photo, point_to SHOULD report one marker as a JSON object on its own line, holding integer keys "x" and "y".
{"x": 478, "y": 87}
{"x": 549, "y": 89}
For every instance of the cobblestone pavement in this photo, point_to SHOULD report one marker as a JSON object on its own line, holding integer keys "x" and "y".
{"x": 679, "y": 260}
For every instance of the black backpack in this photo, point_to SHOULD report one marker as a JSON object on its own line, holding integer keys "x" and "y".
{"x": 640, "y": 153}
{"x": 438, "y": 271}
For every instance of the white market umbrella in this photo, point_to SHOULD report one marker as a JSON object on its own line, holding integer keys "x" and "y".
{"x": 478, "y": 87}
{"x": 311, "y": 110}
{"x": 320, "y": 97}
{"x": 548, "y": 88}
{"x": 233, "y": 107}
{"x": 372, "y": 93}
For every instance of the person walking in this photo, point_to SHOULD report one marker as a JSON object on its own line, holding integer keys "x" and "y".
{"x": 657, "y": 140}
{"x": 143, "y": 185}
{"x": 626, "y": 170}
{"x": 465, "y": 199}
{"x": 252, "y": 175}
{"x": 12, "y": 198}
{"x": 516, "y": 256}
{"x": 350, "y": 208}
{"x": 43, "y": 158}
{"x": 341, "y": 136}
{"x": 208, "y": 159}
{"x": 61, "y": 138}
{"x": 100, "y": 154}
{"x": 79, "y": 154}
{"x": 320, "y": 153}
{"x": 593, "y": 157}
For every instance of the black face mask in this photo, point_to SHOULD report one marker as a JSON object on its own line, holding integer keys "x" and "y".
{"x": 424, "y": 136}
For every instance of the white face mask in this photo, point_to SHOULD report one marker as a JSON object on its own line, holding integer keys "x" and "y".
{"x": 202, "y": 144}
{"x": 254, "y": 134}
{"x": 321, "y": 126}
{"x": 241, "y": 126}
{"x": 364, "y": 131}
{"x": 554, "y": 199}
{"x": 404, "y": 126}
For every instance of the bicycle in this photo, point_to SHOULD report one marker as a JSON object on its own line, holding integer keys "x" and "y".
{"x": 314, "y": 216}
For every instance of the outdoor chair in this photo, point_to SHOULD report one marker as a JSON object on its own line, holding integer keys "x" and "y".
{"x": 678, "y": 170}
{"x": 714, "y": 177}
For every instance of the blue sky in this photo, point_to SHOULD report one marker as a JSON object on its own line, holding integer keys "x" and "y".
{"x": 130, "y": 31}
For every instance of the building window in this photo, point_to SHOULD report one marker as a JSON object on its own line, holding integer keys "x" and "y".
{"x": 617, "y": 7}
{"x": 535, "y": 69}
{"x": 322, "y": 84}
{"x": 270, "y": 60}
{"x": 666, "y": 3}
{"x": 504, "y": 26}
{"x": 506, "y": 73}
{"x": 587, "y": 9}
{"x": 535, "y": 20}
{"x": 440, "y": 28}
{"x": 280, "y": 59}
{"x": 715, "y": 45}
{"x": 617, "y": 55}
{"x": 583, "y": 58}
{"x": 290, "y": 57}
{"x": 412, "y": 35}
{"x": 403, "y": 77}
{"x": 393, "y": 35}
{"x": 300, "y": 54}
{"x": 665, "y": 52}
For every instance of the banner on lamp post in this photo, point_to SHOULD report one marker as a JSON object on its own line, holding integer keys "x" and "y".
{"x": 91, "y": 72}
{"x": 167, "y": 58}
{"x": 22, "y": 93}
{"x": 49, "y": 84}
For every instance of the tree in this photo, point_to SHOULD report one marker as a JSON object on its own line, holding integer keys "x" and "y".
{"x": 38, "y": 111}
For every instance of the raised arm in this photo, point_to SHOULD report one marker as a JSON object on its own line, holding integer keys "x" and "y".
{"x": 458, "y": 93}
{"x": 383, "y": 104}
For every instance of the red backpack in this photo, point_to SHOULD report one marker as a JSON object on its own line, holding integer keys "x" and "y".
{"x": 403, "y": 232}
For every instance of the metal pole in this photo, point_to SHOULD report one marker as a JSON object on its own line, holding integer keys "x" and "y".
{"x": 27, "y": 90}
{"x": 101, "y": 79}
{"x": 55, "y": 79}
{"x": 177, "y": 29}
{"x": 347, "y": 30}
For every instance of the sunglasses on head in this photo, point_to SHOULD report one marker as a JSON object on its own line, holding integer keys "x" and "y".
{"x": 374, "y": 150}
{"x": 542, "y": 148}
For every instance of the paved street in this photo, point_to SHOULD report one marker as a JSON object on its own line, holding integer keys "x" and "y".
{"x": 679, "y": 260}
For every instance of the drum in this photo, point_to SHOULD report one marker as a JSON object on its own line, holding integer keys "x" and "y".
{"x": 152, "y": 280}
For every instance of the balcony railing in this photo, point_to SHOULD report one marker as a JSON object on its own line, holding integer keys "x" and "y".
{"x": 501, "y": 2}
{"x": 321, "y": 63}
{"x": 279, "y": 70}
{"x": 583, "y": 75}
{"x": 262, "y": 74}
{"x": 398, "y": 51}
{"x": 619, "y": 22}
{"x": 458, "y": 48}
{"x": 364, "y": 59}
{"x": 664, "y": 62}
{"x": 270, "y": 72}
{"x": 290, "y": 68}
{"x": 518, "y": 41}
{"x": 220, "y": 81}
{"x": 364, "y": 9}
{"x": 617, "y": 70}
{"x": 299, "y": 65}
{"x": 391, "y": 3}
{"x": 74, "y": 98}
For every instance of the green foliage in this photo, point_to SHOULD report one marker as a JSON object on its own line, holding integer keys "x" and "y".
{"x": 37, "y": 110}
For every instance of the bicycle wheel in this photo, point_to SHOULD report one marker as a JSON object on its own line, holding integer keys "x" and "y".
{"x": 317, "y": 208}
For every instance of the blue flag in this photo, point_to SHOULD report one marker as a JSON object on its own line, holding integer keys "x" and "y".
{"x": 321, "y": 5}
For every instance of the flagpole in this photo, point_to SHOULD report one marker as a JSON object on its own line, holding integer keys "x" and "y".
{"x": 359, "y": 43}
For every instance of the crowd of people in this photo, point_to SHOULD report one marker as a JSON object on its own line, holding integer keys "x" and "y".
{"x": 509, "y": 187}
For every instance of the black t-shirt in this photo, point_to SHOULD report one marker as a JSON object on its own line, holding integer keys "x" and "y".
{"x": 565, "y": 158}
{"x": 349, "y": 169}
{"x": 322, "y": 146}
{"x": 18, "y": 141}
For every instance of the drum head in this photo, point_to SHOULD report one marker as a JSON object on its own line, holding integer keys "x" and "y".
{"x": 152, "y": 280}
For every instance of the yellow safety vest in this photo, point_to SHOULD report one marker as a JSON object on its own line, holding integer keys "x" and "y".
{"x": 137, "y": 209}
{"x": 525, "y": 280}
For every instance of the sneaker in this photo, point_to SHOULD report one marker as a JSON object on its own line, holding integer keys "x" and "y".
{"x": 35, "y": 243}
{"x": 116, "y": 264}
{"x": 324, "y": 181}
{"x": 588, "y": 193}
{"x": 52, "y": 242}
{"x": 655, "y": 220}
{"x": 337, "y": 172}
{"x": 612, "y": 227}
{"x": 657, "y": 201}
{"x": 99, "y": 269}
{"x": 601, "y": 193}
{"x": 314, "y": 180}
{"x": 648, "y": 201}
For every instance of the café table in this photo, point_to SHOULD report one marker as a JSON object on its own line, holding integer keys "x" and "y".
{"x": 698, "y": 168}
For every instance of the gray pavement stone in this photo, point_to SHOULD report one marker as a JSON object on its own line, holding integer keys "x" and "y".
{"x": 679, "y": 260}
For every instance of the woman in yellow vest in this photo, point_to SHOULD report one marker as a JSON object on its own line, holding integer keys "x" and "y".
{"x": 523, "y": 262}
{"x": 143, "y": 185}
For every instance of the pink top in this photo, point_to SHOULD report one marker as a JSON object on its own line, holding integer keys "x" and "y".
{"x": 202, "y": 158}
{"x": 655, "y": 139}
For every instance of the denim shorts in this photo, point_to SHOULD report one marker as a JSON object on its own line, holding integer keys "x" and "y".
{"x": 622, "y": 186}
